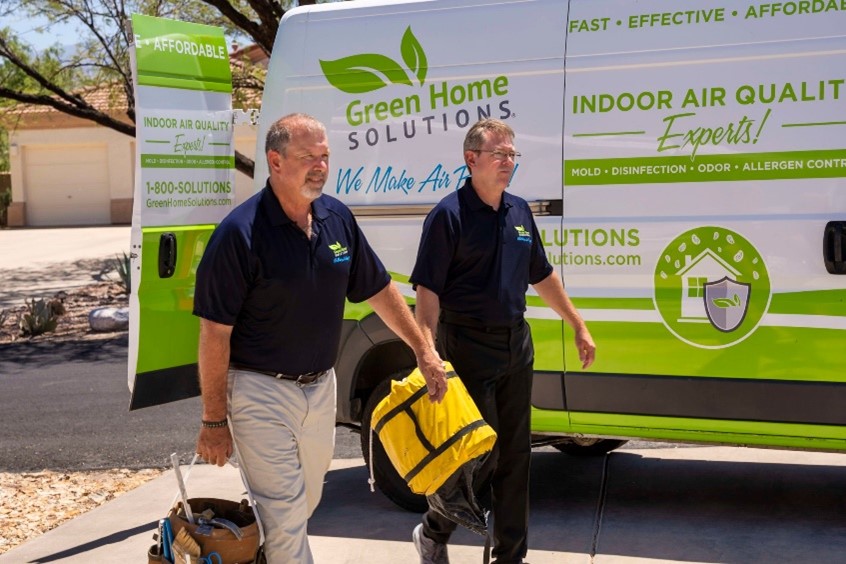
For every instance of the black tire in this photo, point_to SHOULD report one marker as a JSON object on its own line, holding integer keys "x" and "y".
{"x": 388, "y": 480}
{"x": 588, "y": 447}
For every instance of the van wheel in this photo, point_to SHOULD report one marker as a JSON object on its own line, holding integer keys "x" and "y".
{"x": 387, "y": 479}
{"x": 588, "y": 447}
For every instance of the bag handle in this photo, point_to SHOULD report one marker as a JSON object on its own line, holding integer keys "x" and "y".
{"x": 237, "y": 465}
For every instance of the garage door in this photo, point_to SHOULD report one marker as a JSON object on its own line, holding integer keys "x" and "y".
{"x": 67, "y": 185}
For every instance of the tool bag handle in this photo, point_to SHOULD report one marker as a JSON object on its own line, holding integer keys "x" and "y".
{"x": 240, "y": 468}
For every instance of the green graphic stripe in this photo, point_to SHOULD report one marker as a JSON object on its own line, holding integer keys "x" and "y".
{"x": 707, "y": 168}
{"x": 820, "y": 302}
{"x": 609, "y": 134}
{"x": 399, "y": 277}
{"x": 600, "y": 303}
{"x": 359, "y": 311}
{"x": 775, "y": 353}
{"x": 817, "y": 437}
{"x": 187, "y": 161}
{"x": 169, "y": 81}
{"x": 813, "y": 124}
{"x": 174, "y": 54}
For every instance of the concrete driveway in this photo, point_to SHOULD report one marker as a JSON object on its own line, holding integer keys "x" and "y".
{"x": 40, "y": 262}
{"x": 686, "y": 505}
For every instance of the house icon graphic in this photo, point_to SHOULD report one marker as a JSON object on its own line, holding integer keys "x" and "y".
{"x": 707, "y": 266}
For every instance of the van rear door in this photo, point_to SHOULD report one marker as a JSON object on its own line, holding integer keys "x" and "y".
{"x": 184, "y": 186}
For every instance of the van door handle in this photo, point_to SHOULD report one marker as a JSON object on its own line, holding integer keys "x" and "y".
{"x": 834, "y": 247}
{"x": 167, "y": 255}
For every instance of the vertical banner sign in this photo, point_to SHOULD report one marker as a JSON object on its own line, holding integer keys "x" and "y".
{"x": 184, "y": 185}
{"x": 184, "y": 129}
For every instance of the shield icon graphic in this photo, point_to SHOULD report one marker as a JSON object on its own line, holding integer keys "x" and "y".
{"x": 726, "y": 302}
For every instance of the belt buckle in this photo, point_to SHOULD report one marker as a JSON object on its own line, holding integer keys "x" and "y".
{"x": 307, "y": 379}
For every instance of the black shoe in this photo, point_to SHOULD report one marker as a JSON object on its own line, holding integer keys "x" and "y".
{"x": 430, "y": 552}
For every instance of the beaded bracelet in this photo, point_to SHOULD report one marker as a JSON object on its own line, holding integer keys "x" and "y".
{"x": 215, "y": 424}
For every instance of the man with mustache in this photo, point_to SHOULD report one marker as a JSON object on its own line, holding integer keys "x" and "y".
{"x": 479, "y": 251}
{"x": 270, "y": 294}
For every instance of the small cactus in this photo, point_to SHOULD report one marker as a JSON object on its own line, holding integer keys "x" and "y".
{"x": 39, "y": 317}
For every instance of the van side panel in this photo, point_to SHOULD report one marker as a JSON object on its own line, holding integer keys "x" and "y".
{"x": 703, "y": 160}
{"x": 701, "y": 156}
{"x": 398, "y": 85}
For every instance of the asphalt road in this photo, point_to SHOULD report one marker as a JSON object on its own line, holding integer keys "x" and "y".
{"x": 65, "y": 406}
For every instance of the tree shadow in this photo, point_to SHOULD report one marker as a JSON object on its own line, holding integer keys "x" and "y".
{"x": 22, "y": 356}
{"x": 20, "y": 284}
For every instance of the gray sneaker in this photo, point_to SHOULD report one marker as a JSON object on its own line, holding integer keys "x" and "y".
{"x": 430, "y": 552}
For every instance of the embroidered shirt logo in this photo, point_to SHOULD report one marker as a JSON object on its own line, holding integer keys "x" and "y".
{"x": 342, "y": 254}
{"x": 523, "y": 235}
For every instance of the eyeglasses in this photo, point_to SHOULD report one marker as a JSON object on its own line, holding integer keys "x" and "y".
{"x": 500, "y": 155}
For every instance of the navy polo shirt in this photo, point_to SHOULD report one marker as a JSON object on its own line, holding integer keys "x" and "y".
{"x": 480, "y": 261}
{"x": 283, "y": 293}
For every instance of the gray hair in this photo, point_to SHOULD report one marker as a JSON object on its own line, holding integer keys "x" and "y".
{"x": 476, "y": 135}
{"x": 279, "y": 134}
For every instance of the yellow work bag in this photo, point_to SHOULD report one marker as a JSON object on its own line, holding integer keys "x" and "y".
{"x": 427, "y": 442}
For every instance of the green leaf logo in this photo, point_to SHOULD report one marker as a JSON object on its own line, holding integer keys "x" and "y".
{"x": 338, "y": 249}
{"x": 367, "y": 72}
{"x": 521, "y": 231}
{"x": 727, "y": 302}
{"x": 413, "y": 55}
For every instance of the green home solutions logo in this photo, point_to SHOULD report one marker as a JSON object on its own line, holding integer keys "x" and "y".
{"x": 370, "y": 71}
{"x": 439, "y": 105}
{"x": 342, "y": 254}
{"x": 711, "y": 287}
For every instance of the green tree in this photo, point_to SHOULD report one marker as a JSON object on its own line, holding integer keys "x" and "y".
{"x": 58, "y": 79}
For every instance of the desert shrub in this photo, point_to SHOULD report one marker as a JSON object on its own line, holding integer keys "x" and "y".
{"x": 124, "y": 270}
{"x": 40, "y": 316}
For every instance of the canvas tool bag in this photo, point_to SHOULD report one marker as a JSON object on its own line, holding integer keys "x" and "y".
{"x": 428, "y": 442}
{"x": 229, "y": 546}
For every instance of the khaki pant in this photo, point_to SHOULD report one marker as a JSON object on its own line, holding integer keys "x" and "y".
{"x": 285, "y": 435}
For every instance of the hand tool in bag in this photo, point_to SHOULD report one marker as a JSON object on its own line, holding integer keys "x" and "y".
{"x": 167, "y": 540}
{"x": 174, "y": 459}
{"x": 211, "y": 558}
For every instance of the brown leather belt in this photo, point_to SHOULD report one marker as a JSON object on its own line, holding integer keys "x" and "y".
{"x": 302, "y": 379}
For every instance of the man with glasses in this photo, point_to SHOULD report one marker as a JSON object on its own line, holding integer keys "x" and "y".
{"x": 270, "y": 294}
{"x": 479, "y": 251}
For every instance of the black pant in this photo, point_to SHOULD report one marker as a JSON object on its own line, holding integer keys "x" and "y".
{"x": 496, "y": 366}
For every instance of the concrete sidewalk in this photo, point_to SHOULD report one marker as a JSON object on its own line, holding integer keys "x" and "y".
{"x": 702, "y": 504}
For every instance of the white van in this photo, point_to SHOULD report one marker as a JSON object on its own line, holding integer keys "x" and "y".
{"x": 687, "y": 166}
